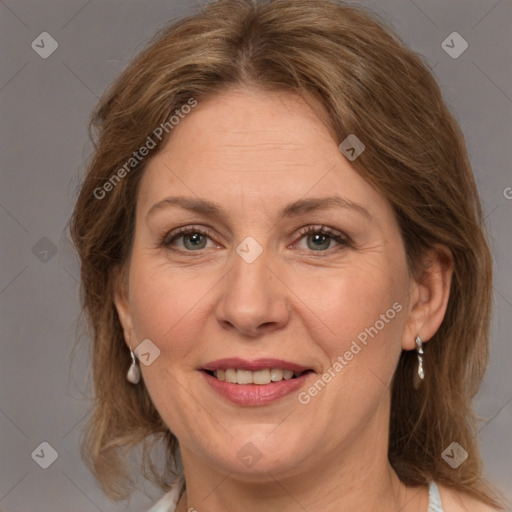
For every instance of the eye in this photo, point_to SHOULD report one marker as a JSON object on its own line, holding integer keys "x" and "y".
{"x": 187, "y": 239}
{"x": 195, "y": 239}
{"x": 320, "y": 238}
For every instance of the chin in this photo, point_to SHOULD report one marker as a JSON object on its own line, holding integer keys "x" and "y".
{"x": 253, "y": 457}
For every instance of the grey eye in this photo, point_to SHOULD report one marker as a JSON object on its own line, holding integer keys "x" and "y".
{"x": 319, "y": 241}
{"x": 195, "y": 241}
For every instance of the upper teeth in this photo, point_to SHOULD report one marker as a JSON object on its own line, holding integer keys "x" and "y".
{"x": 265, "y": 376}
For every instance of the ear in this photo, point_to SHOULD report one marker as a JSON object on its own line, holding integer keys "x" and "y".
{"x": 122, "y": 303}
{"x": 429, "y": 293}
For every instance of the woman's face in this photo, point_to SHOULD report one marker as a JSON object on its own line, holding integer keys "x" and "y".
{"x": 256, "y": 239}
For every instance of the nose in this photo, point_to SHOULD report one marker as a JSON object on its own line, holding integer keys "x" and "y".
{"x": 254, "y": 298}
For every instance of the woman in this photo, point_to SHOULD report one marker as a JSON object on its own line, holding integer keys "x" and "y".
{"x": 284, "y": 269}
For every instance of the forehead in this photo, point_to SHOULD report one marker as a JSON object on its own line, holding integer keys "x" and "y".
{"x": 253, "y": 149}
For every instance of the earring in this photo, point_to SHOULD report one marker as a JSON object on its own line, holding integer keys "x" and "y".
{"x": 421, "y": 374}
{"x": 133, "y": 374}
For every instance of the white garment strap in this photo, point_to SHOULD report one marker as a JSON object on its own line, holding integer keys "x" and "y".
{"x": 434, "y": 499}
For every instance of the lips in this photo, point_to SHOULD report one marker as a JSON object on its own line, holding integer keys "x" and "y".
{"x": 253, "y": 383}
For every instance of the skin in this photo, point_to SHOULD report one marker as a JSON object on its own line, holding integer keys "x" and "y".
{"x": 253, "y": 153}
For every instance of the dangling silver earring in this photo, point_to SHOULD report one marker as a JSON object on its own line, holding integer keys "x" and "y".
{"x": 421, "y": 374}
{"x": 133, "y": 374}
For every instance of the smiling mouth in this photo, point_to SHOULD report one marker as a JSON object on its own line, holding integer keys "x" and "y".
{"x": 259, "y": 377}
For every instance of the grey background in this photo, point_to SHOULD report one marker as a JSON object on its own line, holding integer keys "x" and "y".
{"x": 44, "y": 109}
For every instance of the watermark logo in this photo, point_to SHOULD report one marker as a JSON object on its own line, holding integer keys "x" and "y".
{"x": 44, "y": 249}
{"x": 351, "y": 147}
{"x": 147, "y": 352}
{"x": 249, "y": 250}
{"x": 45, "y": 455}
{"x": 44, "y": 45}
{"x": 454, "y": 455}
{"x": 454, "y": 45}
{"x": 249, "y": 455}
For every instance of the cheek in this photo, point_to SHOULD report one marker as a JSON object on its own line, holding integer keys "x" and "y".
{"x": 362, "y": 316}
{"x": 356, "y": 304}
{"x": 166, "y": 306}
{"x": 165, "y": 303}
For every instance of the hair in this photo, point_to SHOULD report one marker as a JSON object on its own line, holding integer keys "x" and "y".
{"x": 371, "y": 85}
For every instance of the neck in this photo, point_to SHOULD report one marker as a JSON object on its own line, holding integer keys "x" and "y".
{"x": 281, "y": 495}
{"x": 357, "y": 476}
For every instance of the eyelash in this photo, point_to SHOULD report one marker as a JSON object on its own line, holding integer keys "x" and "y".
{"x": 342, "y": 240}
{"x": 170, "y": 237}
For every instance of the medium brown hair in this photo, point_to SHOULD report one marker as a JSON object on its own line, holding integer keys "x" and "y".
{"x": 371, "y": 85}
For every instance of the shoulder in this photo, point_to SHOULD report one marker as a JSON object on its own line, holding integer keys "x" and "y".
{"x": 457, "y": 501}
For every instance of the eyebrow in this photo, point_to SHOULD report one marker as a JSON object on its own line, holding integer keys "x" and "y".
{"x": 299, "y": 207}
